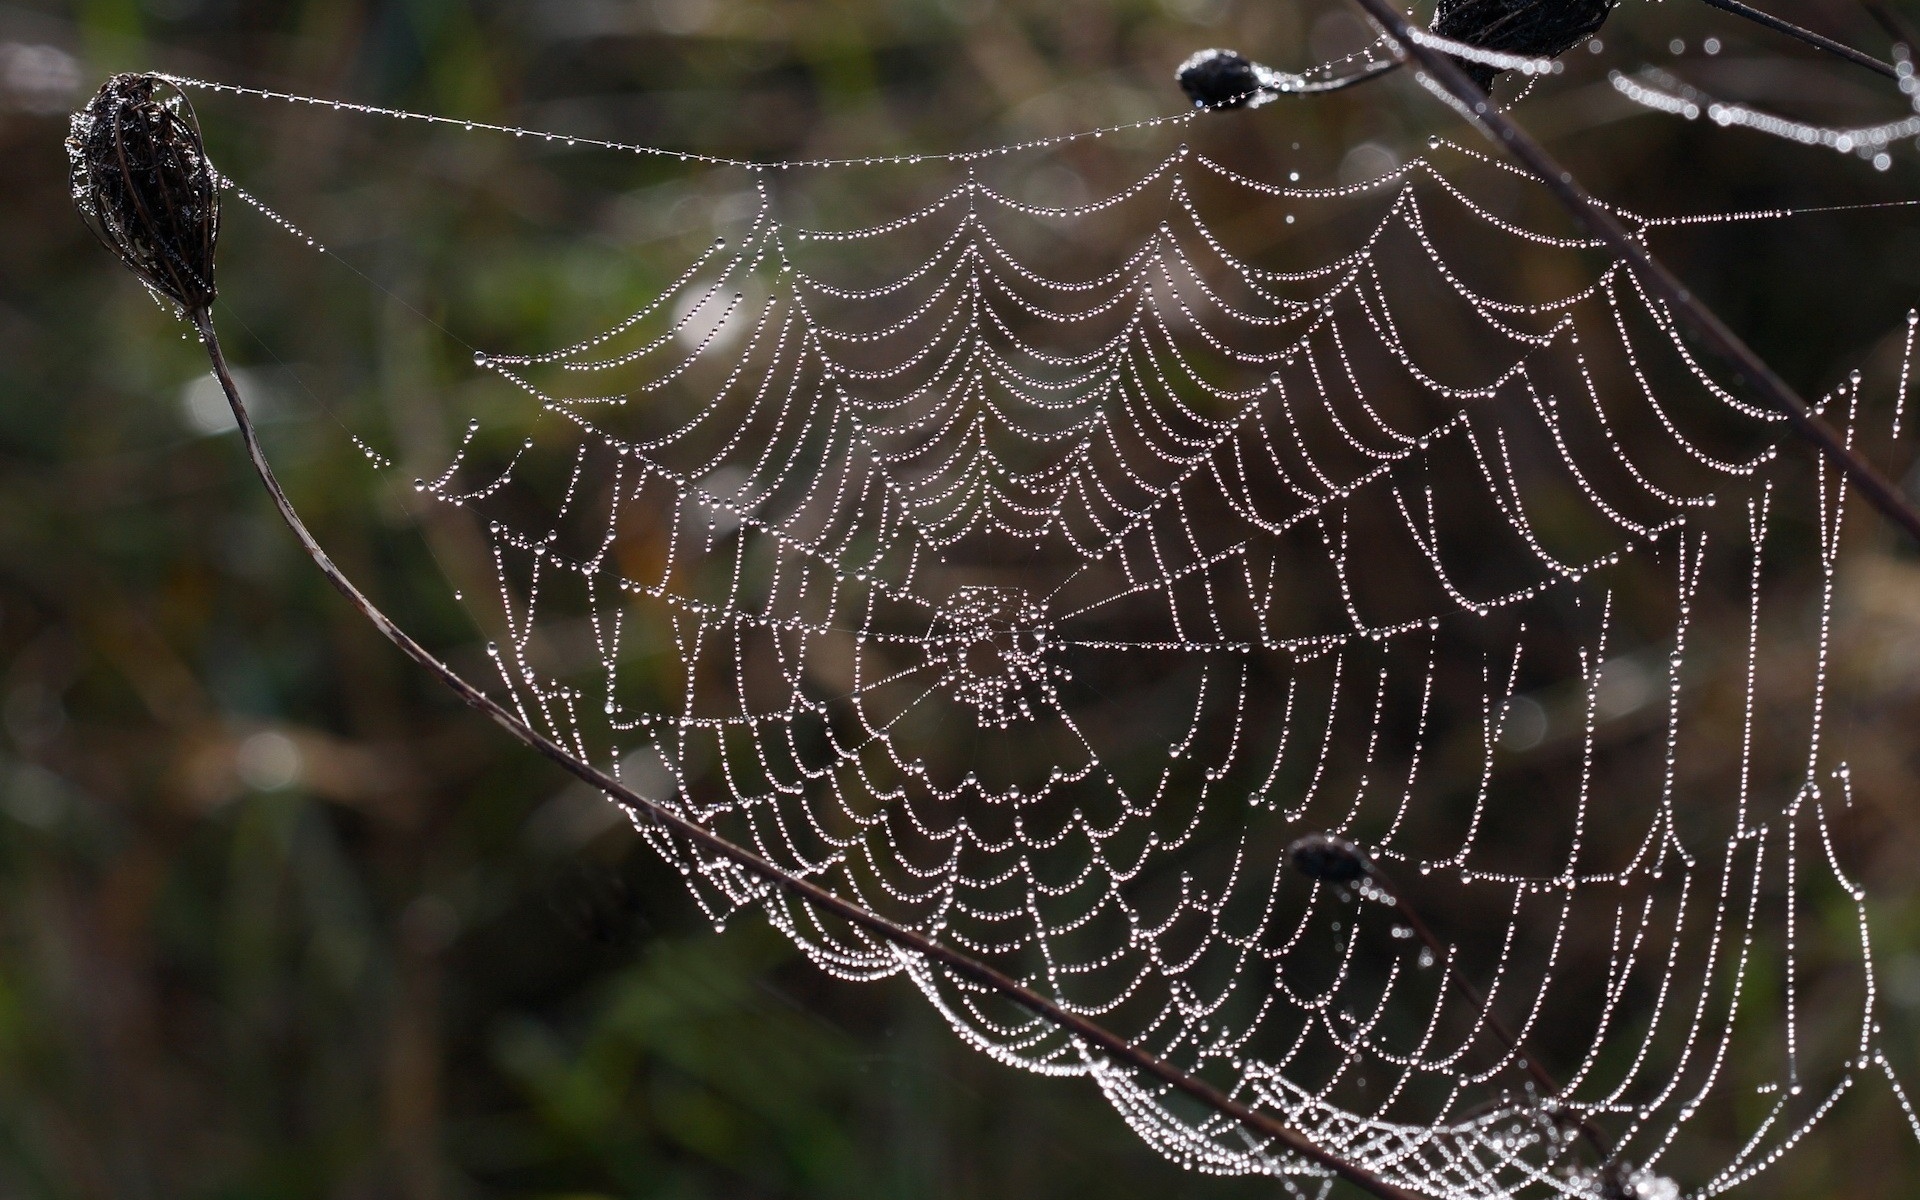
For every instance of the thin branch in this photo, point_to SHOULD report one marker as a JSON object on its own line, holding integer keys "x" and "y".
{"x": 1094, "y": 1037}
{"x": 1680, "y": 300}
{"x": 1529, "y": 1061}
{"x": 1819, "y": 42}
{"x": 1280, "y": 83}
{"x": 1225, "y": 79}
{"x": 1333, "y": 859}
{"x": 1299, "y": 85}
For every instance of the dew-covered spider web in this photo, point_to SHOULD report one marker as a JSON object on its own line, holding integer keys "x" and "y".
{"x": 1035, "y": 573}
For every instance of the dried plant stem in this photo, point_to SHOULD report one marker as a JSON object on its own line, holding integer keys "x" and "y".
{"x": 1680, "y": 301}
{"x": 1819, "y": 42}
{"x": 1338, "y": 83}
{"x": 1894, "y": 25}
{"x": 1330, "y": 858}
{"x": 1096, "y": 1039}
{"x": 1529, "y": 1062}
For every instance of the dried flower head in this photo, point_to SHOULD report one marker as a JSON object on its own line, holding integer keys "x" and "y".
{"x": 1328, "y": 858}
{"x": 142, "y": 183}
{"x": 1219, "y": 79}
{"x": 1543, "y": 28}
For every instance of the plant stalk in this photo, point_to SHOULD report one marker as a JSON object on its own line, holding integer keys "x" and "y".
{"x": 1601, "y": 224}
{"x": 1529, "y": 1062}
{"x": 1095, "y": 1038}
{"x": 1819, "y": 42}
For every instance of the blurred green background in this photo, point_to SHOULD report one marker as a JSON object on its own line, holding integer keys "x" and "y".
{"x": 277, "y": 919}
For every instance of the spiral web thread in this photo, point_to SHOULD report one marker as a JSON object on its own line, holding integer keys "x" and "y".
{"x": 1038, "y": 609}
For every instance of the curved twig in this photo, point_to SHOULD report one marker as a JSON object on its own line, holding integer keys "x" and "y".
{"x": 1280, "y": 83}
{"x": 1300, "y": 85}
{"x": 1529, "y": 1061}
{"x": 1817, "y": 41}
{"x": 1473, "y": 103}
{"x": 1095, "y": 1039}
{"x": 1330, "y": 858}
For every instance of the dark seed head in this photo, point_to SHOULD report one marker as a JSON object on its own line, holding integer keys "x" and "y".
{"x": 1328, "y": 858}
{"x": 1218, "y": 79}
{"x": 1537, "y": 28}
{"x": 142, "y": 183}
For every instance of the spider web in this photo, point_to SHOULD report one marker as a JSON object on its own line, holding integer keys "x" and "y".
{"x": 1034, "y": 575}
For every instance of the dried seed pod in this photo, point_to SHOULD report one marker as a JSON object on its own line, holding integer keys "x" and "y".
{"x": 142, "y": 183}
{"x": 1219, "y": 79}
{"x": 1543, "y": 28}
{"x": 1328, "y": 858}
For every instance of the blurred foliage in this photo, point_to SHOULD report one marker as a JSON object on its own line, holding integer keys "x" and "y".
{"x": 277, "y": 919}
